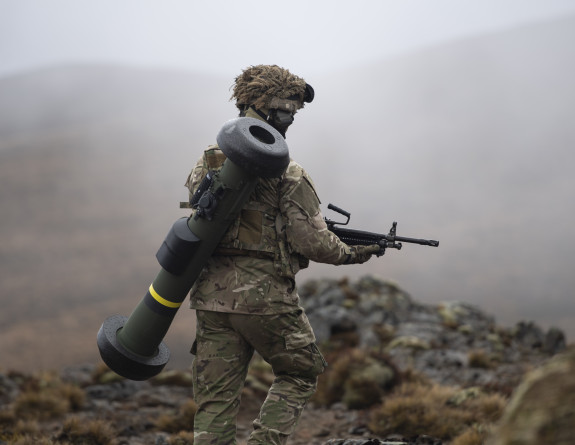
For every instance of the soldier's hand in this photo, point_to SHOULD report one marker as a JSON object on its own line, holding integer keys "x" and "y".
{"x": 360, "y": 254}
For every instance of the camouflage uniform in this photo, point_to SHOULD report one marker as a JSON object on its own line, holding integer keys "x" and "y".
{"x": 246, "y": 299}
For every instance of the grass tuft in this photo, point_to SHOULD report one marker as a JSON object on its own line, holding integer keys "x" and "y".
{"x": 479, "y": 358}
{"x": 104, "y": 375}
{"x": 429, "y": 409}
{"x": 173, "y": 378}
{"x": 27, "y": 427}
{"x": 48, "y": 399}
{"x": 182, "y": 438}
{"x": 355, "y": 377}
{"x": 40, "y": 406}
{"x": 180, "y": 421}
{"x": 471, "y": 436}
{"x": 77, "y": 431}
{"x": 32, "y": 440}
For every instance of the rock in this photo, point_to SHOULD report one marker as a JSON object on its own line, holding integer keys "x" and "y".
{"x": 173, "y": 377}
{"x": 456, "y": 313}
{"x": 554, "y": 341}
{"x": 331, "y": 320}
{"x": 355, "y": 379}
{"x": 162, "y": 439}
{"x": 465, "y": 394}
{"x": 542, "y": 409}
{"x": 440, "y": 363}
{"x": 419, "y": 440}
{"x": 374, "y": 336}
{"x": 115, "y": 391}
{"x": 8, "y": 388}
{"x": 407, "y": 341}
{"x": 357, "y": 442}
{"x": 81, "y": 375}
{"x": 376, "y": 314}
{"x": 528, "y": 334}
{"x": 365, "y": 385}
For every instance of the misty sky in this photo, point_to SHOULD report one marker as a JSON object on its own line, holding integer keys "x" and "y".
{"x": 222, "y": 37}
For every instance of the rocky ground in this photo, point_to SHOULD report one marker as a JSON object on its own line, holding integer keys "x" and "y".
{"x": 452, "y": 343}
{"x": 385, "y": 351}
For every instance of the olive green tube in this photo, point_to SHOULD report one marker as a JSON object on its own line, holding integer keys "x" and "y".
{"x": 133, "y": 346}
{"x": 168, "y": 291}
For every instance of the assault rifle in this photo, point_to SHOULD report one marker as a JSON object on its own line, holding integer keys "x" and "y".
{"x": 360, "y": 237}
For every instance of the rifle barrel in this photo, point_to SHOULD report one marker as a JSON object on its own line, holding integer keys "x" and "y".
{"x": 423, "y": 242}
{"x": 361, "y": 237}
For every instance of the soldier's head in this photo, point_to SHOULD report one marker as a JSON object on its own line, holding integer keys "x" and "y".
{"x": 273, "y": 93}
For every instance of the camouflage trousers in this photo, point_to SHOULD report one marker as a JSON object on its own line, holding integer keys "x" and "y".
{"x": 225, "y": 343}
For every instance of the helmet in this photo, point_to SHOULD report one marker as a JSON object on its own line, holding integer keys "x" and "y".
{"x": 271, "y": 87}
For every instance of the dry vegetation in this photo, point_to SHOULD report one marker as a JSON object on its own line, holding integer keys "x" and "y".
{"x": 355, "y": 377}
{"x": 408, "y": 404}
{"x": 443, "y": 412}
{"x": 178, "y": 420}
{"x": 48, "y": 411}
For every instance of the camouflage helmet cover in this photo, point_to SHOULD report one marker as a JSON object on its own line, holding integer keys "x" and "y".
{"x": 269, "y": 86}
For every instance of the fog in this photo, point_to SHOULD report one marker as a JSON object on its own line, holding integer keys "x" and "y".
{"x": 457, "y": 126}
{"x": 222, "y": 36}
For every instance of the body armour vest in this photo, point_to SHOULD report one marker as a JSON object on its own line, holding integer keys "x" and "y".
{"x": 259, "y": 230}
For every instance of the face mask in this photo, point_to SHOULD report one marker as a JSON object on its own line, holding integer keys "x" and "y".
{"x": 280, "y": 120}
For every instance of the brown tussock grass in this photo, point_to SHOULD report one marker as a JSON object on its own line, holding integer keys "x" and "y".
{"x": 173, "y": 377}
{"x": 471, "y": 436}
{"x": 52, "y": 399}
{"x": 32, "y": 440}
{"x": 355, "y": 376}
{"x": 180, "y": 421}
{"x": 330, "y": 384}
{"x": 40, "y": 406}
{"x": 77, "y": 431}
{"x": 415, "y": 377}
{"x": 479, "y": 358}
{"x": 27, "y": 427}
{"x": 7, "y": 418}
{"x": 182, "y": 438}
{"x": 434, "y": 410}
{"x": 103, "y": 374}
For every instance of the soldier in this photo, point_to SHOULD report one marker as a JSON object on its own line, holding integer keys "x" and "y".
{"x": 246, "y": 297}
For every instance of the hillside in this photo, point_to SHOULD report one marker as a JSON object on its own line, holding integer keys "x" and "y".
{"x": 400, "y": 373}
{"x": 471, "y": 144}
{"x": 87, "y": 199}
{"x": 468, "y": 143}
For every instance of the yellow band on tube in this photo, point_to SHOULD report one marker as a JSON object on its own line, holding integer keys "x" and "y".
{"x": 161, "y": 300}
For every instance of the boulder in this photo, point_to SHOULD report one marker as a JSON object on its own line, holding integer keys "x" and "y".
{"x": 542, "y": 409}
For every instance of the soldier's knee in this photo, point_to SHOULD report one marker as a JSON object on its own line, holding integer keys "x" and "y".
{"x": 306, "y": 362}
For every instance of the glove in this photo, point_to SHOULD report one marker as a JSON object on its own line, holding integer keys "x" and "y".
{"x": 360, "y": 254}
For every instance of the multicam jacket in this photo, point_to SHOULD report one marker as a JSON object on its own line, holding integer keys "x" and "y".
{"x": 278, "y": 231}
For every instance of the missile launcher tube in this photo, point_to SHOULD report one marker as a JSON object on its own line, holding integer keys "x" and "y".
{"x": 133, "y": 346}
{"x": 168, "y": 291}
